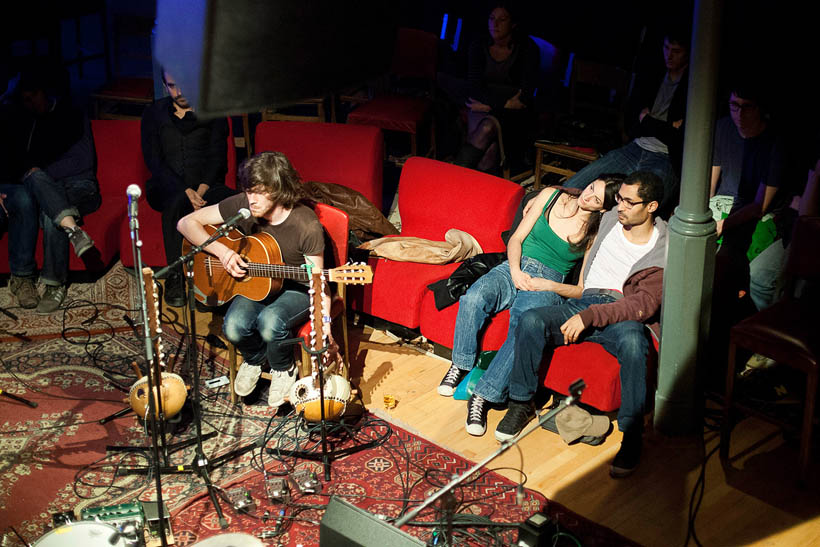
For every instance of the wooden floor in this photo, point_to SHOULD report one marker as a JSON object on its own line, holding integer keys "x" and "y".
{"x": 750, "y": 500}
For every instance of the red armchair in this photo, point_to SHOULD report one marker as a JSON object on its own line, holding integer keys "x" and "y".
{"x": 327, "y": 152}
{"x": 433, "y": 198}
{"x": 119, "y": 163}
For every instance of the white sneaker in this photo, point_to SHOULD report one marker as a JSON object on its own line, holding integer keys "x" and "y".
{"x": 280, "y": 383}
{"x": 246, "y": 378}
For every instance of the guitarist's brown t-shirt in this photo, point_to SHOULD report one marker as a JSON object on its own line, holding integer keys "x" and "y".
{"x": 300, "y": 235}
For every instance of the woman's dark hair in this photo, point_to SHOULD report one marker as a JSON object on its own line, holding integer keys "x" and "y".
{"x": 612, "y": 182}
{"x": 271, "y": 173}
{"x": 512, "y": 9}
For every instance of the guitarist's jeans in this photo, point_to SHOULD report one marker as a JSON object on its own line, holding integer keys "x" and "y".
{"x": 256, "y": 328}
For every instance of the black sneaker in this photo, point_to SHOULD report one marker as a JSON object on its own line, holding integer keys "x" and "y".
{"x": 450, "y": 381}
{"x": 628, "y": 457}
{"x": 477, "y": 409}
{"x": 175, "y": 290}
{"x": 517, "y": 416}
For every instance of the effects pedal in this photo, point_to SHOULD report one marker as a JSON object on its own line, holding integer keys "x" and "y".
{"x": 241, "y": 499}
{"x": 277, "y": 489}
{"x": 307, "y": 482}
{"x": 213, "y": 383}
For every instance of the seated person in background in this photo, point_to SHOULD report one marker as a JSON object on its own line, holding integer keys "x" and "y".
{"x": 556, "y": 232}
{"x": 501, "y": 78}
{"x": 654, "y": 120}
{"x": 623, "y": 283}
{"x": 187, "y": 158}
{"x": 272, "y": 190}
{"x": 747, "y": 168}
{"x": 53, "y": 184}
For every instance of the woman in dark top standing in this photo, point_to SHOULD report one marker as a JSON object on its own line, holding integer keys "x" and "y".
{"x": 501, "y": 79}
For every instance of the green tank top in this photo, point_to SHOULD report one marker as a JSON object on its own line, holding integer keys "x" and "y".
{"x": 543, "y": 245}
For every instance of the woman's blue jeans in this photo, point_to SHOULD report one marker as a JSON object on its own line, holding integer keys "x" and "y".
{"x": 492, "y": 293}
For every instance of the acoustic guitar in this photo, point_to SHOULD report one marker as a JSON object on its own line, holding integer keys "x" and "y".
{"x": 265, "y": 273}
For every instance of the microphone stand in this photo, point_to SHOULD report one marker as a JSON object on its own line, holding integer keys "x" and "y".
{"x": 136, "y": 246}
{"x": 575, "y": 390}
{"x": 200, "y": 464}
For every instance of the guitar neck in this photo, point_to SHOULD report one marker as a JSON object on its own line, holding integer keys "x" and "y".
{"x": 280, "y": 271}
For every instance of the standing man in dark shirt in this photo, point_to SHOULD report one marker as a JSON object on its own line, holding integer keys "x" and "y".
{"x": 53, "y": 179}
{"x": 187, "y": 158}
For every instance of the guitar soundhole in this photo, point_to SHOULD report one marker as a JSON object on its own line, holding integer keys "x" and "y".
{"x": 301, "y": 391}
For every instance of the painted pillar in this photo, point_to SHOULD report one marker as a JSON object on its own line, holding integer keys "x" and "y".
{"x": 687, "y": 287}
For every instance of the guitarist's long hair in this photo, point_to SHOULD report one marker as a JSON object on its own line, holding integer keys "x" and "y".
{"x": 271, "y": 173}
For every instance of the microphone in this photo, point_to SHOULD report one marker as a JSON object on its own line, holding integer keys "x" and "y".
{"x": 241, "y": 215}
{"x": 134, "y": 192}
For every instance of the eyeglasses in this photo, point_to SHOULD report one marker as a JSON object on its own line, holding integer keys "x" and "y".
{"x": 627, "y": 202}
{"x": 741, "y": 107}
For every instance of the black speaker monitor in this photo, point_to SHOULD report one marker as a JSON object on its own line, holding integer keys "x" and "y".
{"x": 243, "y": 55}
{"x": 345, "y": 525}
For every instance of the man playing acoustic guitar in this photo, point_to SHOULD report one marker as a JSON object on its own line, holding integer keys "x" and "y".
{"x": 271, "y": 189}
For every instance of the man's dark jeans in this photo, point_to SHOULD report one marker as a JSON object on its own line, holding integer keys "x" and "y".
{"x": 539, "y": 330}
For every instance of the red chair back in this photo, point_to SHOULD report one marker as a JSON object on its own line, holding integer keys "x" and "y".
{"x": 336, "y": 224}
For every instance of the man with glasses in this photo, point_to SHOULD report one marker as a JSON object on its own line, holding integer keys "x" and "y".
{"x": 622, "y": 286}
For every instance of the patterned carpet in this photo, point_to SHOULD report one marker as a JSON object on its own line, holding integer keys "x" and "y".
{"x": 89, "y": 307}
{"x": 54, "y": 458}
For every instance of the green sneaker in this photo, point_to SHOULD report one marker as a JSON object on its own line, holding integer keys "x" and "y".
{"x": 25, "y": 291}
{"x": 52, "y": 299}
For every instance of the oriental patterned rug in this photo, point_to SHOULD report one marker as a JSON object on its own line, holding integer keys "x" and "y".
{"x": 89, "y": 308}
{"x": 55, "y": 458}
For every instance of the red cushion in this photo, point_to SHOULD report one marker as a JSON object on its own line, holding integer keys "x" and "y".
{"x": 397, "y": 290}
{"x": 343, "y": 154}
{"x": 439, "y": 326}
{"x": 599, "y": 369}
{"x": 392, "y": 113}
{"x": 434, "y": 197}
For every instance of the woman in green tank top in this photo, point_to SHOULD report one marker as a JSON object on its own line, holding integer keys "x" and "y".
{"x": 556, "y": 231}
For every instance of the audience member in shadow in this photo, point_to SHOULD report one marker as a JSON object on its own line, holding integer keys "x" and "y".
{"x": 188, "y": 161}
{"x": 750, "y": 200}
{"x": 654, "y": 121}
{"x": 53, "y": 184}
{"x": 501, "y": 78}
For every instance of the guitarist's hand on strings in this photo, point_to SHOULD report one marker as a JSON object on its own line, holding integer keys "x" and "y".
{"x": 233, "y": 263}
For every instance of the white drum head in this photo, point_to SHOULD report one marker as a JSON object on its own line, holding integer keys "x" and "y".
{"x": 234, "y": 539}
{"x": 85, "y": 533}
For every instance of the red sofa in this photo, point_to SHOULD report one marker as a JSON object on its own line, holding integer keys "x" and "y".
{"x": 119, "y": 163}
{"x": 434, "y": 197}
{"x": 150, "y": 221}
{"x": 349, "y": 155}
